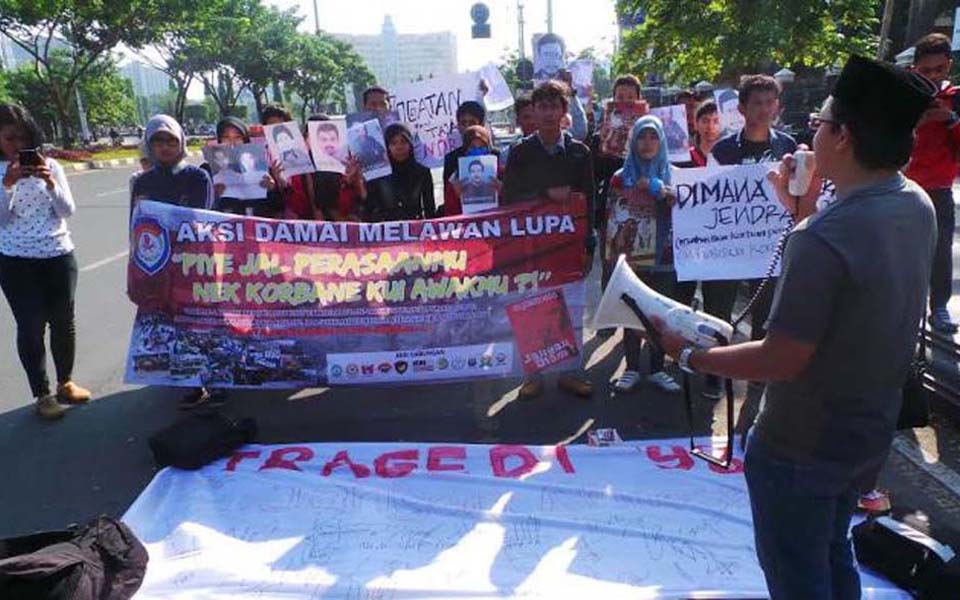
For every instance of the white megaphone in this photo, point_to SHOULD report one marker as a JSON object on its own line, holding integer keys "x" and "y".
{"x": 625, "y": 288}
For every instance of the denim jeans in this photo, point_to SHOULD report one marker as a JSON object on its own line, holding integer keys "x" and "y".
{"x": 801, "y": 521}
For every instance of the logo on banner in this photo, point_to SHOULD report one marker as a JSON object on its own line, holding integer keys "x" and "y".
{"x": 336, "y": 371}
{"x": 400, "y": 366}
{"x": 151, "y": 245}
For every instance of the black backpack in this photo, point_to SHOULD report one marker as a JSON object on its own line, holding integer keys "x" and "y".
{"x": 100, "y": 561}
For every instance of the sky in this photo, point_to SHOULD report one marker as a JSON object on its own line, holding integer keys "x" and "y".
{"x": 582, "y": 23}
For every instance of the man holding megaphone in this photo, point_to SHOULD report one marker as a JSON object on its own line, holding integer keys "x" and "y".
{"x": 841, "y": 336}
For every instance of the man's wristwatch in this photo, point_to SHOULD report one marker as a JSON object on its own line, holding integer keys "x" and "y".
{"x": 683, "y": 361}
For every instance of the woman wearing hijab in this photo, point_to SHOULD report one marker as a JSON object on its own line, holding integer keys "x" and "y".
{"x": 639, "y": 226}
{"x": 231, "y": 131}
{"x": 407, "y": 193}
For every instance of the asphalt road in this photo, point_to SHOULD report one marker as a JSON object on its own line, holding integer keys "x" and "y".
{"x": 96, "y": 459}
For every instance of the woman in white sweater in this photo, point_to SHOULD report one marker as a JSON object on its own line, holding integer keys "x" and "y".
{"x": 38, "y": 272}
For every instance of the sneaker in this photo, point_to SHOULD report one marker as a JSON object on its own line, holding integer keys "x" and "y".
{"x": 712, "y": 389}
{"x": 576, "y": 385}
{"x": 71, "y": 393}
{"x": 531, "y": 388}
{"x": 875, "y": 502}
{"x": 662, "y": 380}
{"x": 194, "y": 398}
{"x": 941, "y": 321}
{"x": 48, "y": 407}
{"x": 627, "y": 382}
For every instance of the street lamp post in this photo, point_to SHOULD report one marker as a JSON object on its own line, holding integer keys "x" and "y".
{"x": 549, "y": 16}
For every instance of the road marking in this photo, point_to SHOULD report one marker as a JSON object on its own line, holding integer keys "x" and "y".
{"x": 105, "y": 261}
{"x": 123, "y": 190}
{"x": 919, "y": 457}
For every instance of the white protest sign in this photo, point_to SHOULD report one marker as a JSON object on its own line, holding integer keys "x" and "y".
{"x": 955, "y": 46}
{"x": 727, "y": 222}
{"x": 498, "y": 96}
{"x": 286, "y": 144}
{"x": 429, "y": 108}
{"x": 328, "y": 145}
{"x": 305, "y": 521}
{"x": 674, "y": 119}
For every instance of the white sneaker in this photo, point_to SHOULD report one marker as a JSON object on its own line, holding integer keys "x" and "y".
{"x": 627, "y": 381}
{"x": 662, "y": 380}
{"x": 941, "y": 321}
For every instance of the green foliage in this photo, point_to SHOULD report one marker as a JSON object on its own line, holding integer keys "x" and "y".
{"x": 5, "y": 87}
{"x": 689, "y": 40}
{"x": 324, "y": 66}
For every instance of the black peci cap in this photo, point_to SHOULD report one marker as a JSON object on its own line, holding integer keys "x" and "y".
{"x": 886, "y": 96}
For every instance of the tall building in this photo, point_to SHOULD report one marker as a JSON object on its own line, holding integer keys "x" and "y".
{"x": 404, "y": 57}
{"x": 147, "y": 80}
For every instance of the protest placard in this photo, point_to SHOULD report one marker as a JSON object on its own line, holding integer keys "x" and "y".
{"x": 478, "y": 190}
{"x": 549, "y": 56}
{"x": 287, "y": 146}
{"x": 728, "y": 104}
{"x": 618, "y": 119}
{"x": 498, "y": 95}
{"x": 328, "y": 143}
{"x": 674, "y": 119}
{"x": 239, "y": 169}
{"x": 429, "y": 109}
{"x": 232, "y": 301}
{"x": 365, "y": 139}
{"x": 727, "y": 222}
{"x": 582, "y": 72}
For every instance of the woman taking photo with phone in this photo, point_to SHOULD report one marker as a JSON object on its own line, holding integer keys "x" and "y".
{"x": 38, "y": 272}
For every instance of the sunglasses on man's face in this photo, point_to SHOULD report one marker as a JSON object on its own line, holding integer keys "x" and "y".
{"x": 816, "y": 121}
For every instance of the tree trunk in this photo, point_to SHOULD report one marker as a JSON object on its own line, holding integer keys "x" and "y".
{"x": 258, "y": 95}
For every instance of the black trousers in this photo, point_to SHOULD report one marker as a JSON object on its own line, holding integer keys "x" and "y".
{"x": 41, "y": 291}
{"x": 941, "y": 276}
{"x": 665, "y": 283}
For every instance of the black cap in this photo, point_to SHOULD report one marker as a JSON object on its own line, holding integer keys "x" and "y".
{"x": 886, "y": 96}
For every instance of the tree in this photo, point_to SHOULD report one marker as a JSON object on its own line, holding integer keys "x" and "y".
{"x": 689, "y": 40}
{"x": 88, "y": 30}
{"x": 268, "y": 52}
{"x": 324, "y": 67}
{"x": 5, "y": 87}
{"x": 108, "y": 96}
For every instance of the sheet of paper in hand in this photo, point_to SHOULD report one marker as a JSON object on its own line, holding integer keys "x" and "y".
{"x": 477, "y": 176}
{"x": 549, "y": 56}
{"x": 617, "y": 122}
{"x": 367, "y": 145}
{"x": 674, "y": 120}
{"x": 728, "y": 103}
{"x": 287, "y": 146}
{"x": 498, "y": 96}
{"x": 543, "y": 330}
{"x": 727, "y": 222}
{"x": 240, "y": 169}
{"x": 328, "y": 142}
{"x": 429, "y": 109}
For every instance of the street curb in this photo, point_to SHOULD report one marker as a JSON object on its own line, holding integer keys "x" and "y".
{"x": 110, "y": 164}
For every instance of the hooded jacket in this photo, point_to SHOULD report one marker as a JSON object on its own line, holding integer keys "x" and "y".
{"x": 181, "y": 184}
{"x": 404, "y": 195}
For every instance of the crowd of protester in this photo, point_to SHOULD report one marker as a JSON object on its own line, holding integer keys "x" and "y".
{"x": 559, "y": 155}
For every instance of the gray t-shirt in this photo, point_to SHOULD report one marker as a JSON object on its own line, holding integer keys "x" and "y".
{"x": 854, "y": 283}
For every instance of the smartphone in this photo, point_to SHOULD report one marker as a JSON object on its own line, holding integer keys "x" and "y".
{"x": 30, "y": 157}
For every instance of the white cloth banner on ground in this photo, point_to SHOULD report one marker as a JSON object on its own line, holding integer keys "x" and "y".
{"x": 641, "y": 520}
{"x": 727, "y": 222}
{"x": 429, "y": 109}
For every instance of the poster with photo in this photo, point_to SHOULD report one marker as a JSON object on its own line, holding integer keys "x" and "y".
{"x": 385, "y": 118}
{"x": 543, "y": 330}
{"x": 365, "y": 140}
{"x": 287, "y": 146}
{"x": 728, "y": 104}
{"x": 618, "y": 120}
{"x": 674, "y": 119}
{"x": 582, "y": 72}
{"x": 328, "y": 143}
{"x": 478, "y": 183}
{"x": 240, "y": 169}
{"x": 549, "y": 56}
{"x": 631, "y": 228}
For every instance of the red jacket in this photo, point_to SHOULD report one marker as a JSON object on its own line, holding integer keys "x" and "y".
{"x": 936, "y": 150}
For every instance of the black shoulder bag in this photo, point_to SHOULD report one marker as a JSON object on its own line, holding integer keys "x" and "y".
{"x": 915, "y": 409}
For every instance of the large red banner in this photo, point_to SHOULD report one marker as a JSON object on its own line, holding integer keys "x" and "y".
{"x": 241, "y": 301}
